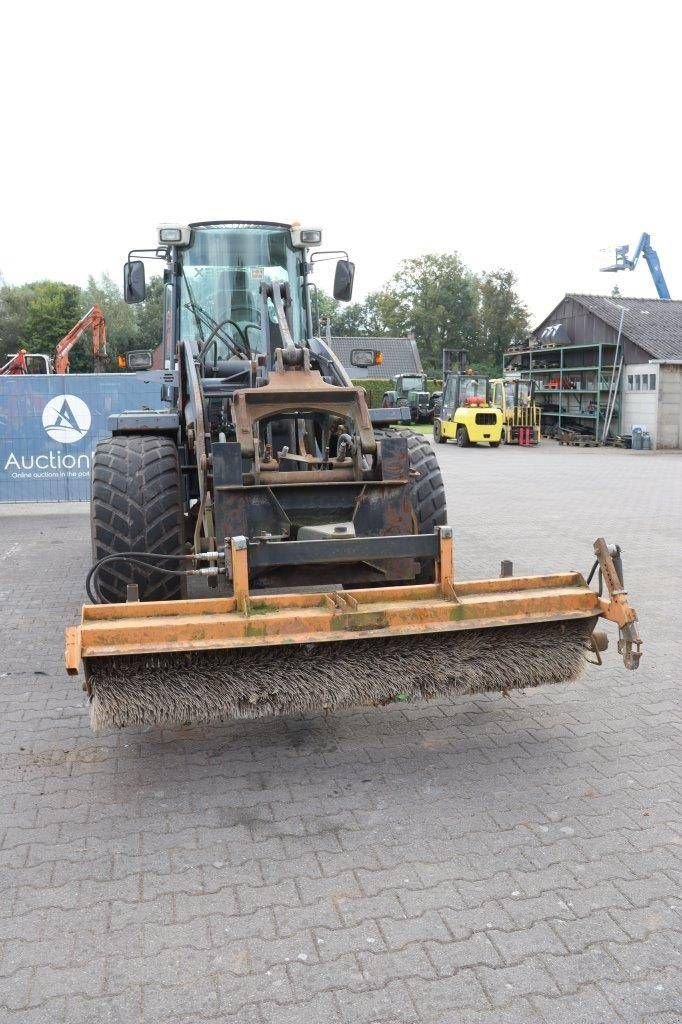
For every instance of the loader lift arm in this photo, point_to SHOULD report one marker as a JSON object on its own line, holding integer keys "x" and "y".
{"x": 93, "y": 320}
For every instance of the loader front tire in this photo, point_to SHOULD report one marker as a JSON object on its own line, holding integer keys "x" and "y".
{"x": 426, "y": 489}
{"x": 136, "y": 505}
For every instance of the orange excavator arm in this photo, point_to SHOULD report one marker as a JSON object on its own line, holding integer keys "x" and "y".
{"x": 93, "y": 319}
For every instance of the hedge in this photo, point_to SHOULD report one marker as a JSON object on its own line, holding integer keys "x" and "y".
{"x": 376, "y": 388}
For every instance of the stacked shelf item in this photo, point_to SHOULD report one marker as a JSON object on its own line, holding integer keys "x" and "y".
{"x": 572, "y": 384}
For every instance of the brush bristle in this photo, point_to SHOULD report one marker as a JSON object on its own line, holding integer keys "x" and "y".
{"x": 211, "y": 687}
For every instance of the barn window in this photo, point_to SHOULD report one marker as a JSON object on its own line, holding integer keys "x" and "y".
{"x": 631, "y": 384}
{"x": 652, "y": 382}
{"x": 638, "y": 382}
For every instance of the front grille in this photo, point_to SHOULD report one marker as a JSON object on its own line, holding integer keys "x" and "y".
{"x": 485, "y": 419}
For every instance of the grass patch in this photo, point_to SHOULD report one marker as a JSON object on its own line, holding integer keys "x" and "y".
{"x": 421, "y": 428}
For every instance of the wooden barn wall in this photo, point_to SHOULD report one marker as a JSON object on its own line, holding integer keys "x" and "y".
{"x": 584, "y": 328}
{"x": 633, "y": 353}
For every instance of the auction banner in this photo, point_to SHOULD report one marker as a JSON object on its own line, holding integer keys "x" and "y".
{"x": 50, "y": 425}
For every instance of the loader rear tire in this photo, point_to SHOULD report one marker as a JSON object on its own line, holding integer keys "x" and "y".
{"x": 136, "y": 505}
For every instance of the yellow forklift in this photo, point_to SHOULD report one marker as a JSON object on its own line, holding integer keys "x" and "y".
{"x": 465, "y": 413}
{"x": 520, "y": 412}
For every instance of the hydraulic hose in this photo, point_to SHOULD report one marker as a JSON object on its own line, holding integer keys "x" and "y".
{"x": 146, "y": 559}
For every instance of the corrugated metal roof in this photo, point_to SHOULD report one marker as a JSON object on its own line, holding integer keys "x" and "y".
{"x": 653, "y": 324}
{"x": 400, "y": 356}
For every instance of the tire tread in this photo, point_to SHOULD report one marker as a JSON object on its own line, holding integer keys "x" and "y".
{"x": 136, "y": 505}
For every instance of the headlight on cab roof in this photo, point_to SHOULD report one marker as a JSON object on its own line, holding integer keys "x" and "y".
{"x": 302, "y": 238}
{"x": 174, "y": 234}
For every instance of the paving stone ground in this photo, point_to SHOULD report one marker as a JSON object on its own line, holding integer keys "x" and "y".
{"x": 487, "y": 861}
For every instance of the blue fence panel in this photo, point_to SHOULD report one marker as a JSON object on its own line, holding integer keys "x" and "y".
{"x": 49, "y": 426}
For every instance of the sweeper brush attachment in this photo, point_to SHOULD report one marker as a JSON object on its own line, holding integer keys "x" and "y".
{"x": 213, "y": 686}
{"x": 204, "y": 661}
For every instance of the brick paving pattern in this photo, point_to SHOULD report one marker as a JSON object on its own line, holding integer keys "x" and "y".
{"x": 487, "y": 861}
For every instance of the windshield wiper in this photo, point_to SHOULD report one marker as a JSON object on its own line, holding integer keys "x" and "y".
{"x": 192, "y": 307}
{"x": 216, "y": 331}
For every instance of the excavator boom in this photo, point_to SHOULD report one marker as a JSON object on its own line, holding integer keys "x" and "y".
{"x": 93, "y": 320}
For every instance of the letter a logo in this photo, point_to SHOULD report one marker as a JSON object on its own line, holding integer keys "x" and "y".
{"x": 66, "y": 418}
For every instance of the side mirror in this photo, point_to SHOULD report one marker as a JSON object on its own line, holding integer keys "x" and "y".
{"x": 140, "y": 359}
{"x": 343, "y": 280}
{"x": 134, "y": 288}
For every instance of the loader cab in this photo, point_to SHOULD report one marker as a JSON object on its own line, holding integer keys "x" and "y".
{"x": 218, "y": 289}
{"x": 221, "y": 282}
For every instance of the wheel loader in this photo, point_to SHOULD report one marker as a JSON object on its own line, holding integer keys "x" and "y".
{"x": 264, "y": 544}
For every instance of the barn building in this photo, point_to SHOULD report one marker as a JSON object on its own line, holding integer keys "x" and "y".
{"x": 607, "y": 365}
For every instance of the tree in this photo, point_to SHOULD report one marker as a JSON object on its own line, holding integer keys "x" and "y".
{"x": 356, "y": 319}
{"x": 361, "y": 318}
{"x": 54, "y": 307}
{"x": 500, "y": 317}
{"x": 436, "y": 297}
{"x": 445, "y": 304}
{"x": 325, "y": 311}
{"x": 14, "y": 303}
{"x": 119, "y": 318}
{"x": 149, "y": 316}
{"x": 36, "y": 316}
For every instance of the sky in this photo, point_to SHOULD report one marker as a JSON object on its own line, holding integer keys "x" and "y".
{"x": 529, "y": 136}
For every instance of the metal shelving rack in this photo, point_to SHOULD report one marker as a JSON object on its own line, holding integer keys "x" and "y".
{"x": 589, "y": 364}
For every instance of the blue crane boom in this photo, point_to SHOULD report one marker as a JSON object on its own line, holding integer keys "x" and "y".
{"x": 624, "y": 262}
